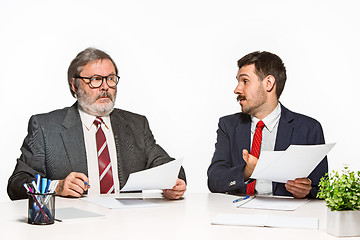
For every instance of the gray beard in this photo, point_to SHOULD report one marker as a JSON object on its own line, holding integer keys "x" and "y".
{"x": 87, "y": 105}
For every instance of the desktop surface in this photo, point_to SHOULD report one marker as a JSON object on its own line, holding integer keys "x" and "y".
{"x": 188, "y": 218}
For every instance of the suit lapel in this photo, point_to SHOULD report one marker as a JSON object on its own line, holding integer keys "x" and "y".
{"x": 285, "y": 130}
{"x": 73, "y": 139}
{"x": 123, "y": 141}
{"x": 284, "y": 133}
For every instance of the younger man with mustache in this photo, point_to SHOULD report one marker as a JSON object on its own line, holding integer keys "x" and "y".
{"x": 261, "y": 79}
{"x": 68, "y": 144}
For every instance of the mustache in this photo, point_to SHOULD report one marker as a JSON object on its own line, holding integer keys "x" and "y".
{"x": 240, "y": 97}
{"x": 104, "y": 94}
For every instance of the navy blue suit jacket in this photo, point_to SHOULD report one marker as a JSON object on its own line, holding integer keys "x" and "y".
{"x": 226, "y": 171}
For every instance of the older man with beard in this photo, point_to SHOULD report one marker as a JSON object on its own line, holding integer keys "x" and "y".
{"x": 91, "y": 141}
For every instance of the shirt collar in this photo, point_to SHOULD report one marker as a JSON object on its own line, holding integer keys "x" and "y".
{"x": 88, "y": 120}
{"x": 270, "y": 120}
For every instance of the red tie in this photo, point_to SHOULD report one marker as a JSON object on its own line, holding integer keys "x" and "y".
{"x": 255, "y": 151}
{"x": 105, "y": 172}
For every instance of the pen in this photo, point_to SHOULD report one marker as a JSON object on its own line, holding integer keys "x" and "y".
{"x": 52, "y": 188}
{"x": 47, "y": 186}
{"x": 248, "y": 199}
{"x": 35, "y": 186}
{"x": 241, "y": 199}
{"x": 35, "y": 208}
{"x": 38, "y": 182}
{"x": 26, "y": 187}
{"x": 43, "y": 185}
{"x": 87, "y": 184}
{"x": 55, "y": 185}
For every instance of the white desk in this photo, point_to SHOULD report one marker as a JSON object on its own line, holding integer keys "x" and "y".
{"x": 183, "y": 219}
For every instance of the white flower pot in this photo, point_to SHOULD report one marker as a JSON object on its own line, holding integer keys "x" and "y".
{"x": 343, "y": 223}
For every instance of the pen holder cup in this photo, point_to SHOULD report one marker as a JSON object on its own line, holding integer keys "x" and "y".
{"x": 41, "y": 208}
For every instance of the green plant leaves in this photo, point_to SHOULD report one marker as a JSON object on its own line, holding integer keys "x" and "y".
{"x": 341, "y": 191}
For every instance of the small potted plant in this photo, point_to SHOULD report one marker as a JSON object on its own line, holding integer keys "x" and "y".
{"x": 341, "y": 192}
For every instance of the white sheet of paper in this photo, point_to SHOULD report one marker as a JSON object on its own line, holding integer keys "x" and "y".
{"x": 160, "y": 177}
{"x": 265, "y": 221}
{"x": 297, "y": 161}
{"x": 116, "y": 203}
{"x": 274, "y": 203}
{"x": 75, "y": 214}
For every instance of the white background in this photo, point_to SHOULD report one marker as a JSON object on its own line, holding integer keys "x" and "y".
{"x": 177, "y": 62}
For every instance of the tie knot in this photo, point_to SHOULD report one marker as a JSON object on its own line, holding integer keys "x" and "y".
{"x": 260, "y": 125}
{"x": 98, "y": 121}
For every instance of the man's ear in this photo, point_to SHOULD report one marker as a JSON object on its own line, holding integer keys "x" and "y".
{"x": 73, "y": 85}
{"x": 269, "y": 82}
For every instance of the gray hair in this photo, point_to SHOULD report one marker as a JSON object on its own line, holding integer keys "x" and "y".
{"x": 83, "y": 58}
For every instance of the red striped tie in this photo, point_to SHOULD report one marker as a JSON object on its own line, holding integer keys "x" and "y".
{"x": 105, "y": 172}
{"x": 255, "y": 151}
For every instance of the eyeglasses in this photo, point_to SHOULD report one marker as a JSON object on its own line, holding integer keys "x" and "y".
{"x": 96, "y": 81}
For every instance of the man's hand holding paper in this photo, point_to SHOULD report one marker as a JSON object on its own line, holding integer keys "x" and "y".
{"x": 161, "y": 177}
{"x": 291, "y": 166}
{"x": 300, "y": 187}
{"x": 177, "y": 191}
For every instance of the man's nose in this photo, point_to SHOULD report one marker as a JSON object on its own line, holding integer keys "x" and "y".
{"x": 104, "y": 85}
{"x": 238, "y": 89}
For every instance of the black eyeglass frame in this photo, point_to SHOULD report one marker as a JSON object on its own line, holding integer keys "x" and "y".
{"x": 102, "y": 80}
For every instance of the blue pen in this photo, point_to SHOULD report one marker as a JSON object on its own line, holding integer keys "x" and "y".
{"x": 241, "y": 199}
{"x": 43, "y": 185}
{"x": 87, "y": 184}
{"x": 47, "y": 186}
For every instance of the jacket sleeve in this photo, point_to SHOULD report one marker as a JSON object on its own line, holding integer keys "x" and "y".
{"x": 226, "y": 171}
{"x": 30, "y": 163}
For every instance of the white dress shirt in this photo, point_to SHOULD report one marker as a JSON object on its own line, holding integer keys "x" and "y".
{"x": 89, "y": 130}
{"x": 264, "y": 187}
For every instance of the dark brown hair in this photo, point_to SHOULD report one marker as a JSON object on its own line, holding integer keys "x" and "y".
{"x": 266, "y": 64}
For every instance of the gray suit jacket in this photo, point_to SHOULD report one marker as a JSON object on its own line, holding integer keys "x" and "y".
{"x": 55, "y": 146}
